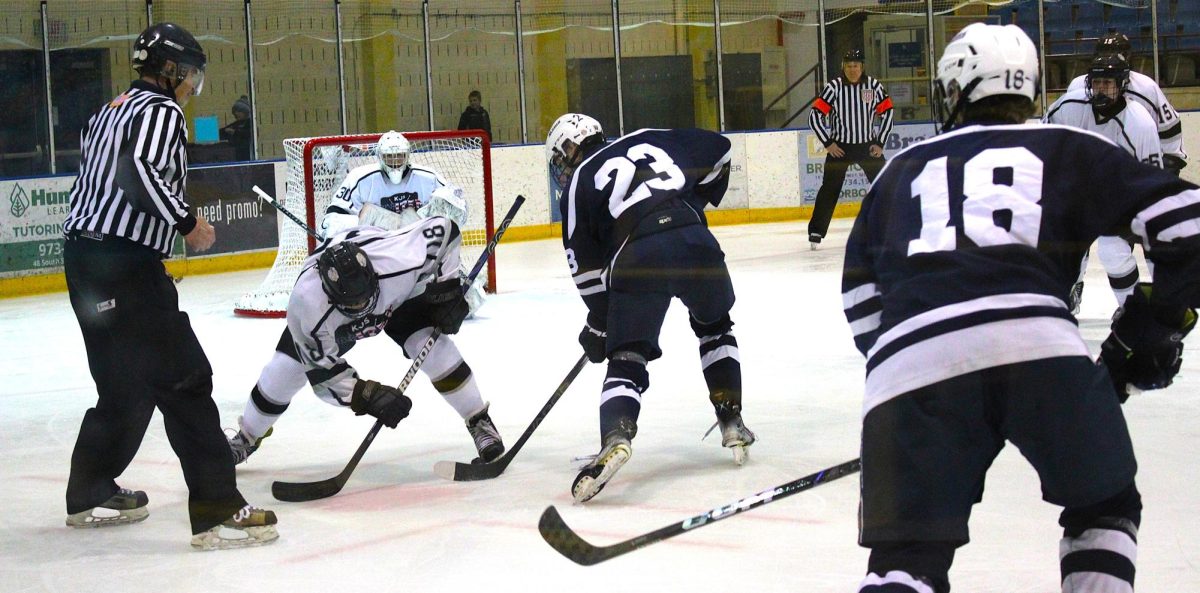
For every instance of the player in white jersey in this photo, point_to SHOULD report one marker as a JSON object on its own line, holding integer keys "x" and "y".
{"x": 1101, "y": 107}
{"x": 361, "y": 282}
{"x": 1145, "y": 90}
{"x": 395, "y": 193}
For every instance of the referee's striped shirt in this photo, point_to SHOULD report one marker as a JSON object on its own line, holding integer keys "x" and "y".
{"x": 132, "y": 172}
{"x": 845, "y": 112}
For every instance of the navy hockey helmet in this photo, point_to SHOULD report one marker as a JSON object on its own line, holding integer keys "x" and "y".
{"x": 854, "y": 55}
{"x": 1114, "y": 43}
{"x": 1111, "y": 67}
{"x": 168, "y": 50}
{"x": 349, "y": 279}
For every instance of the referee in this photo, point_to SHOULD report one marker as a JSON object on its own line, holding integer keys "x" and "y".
{"x": 843, "y": 118}
{"x": 126, "y": 207}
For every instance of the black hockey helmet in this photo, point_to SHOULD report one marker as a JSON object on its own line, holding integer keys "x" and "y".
{"x": 854, "y": 55}
{"x": 348, "y": 278}
{"x": 161, "y": 43}
{"x": 1114, "y": 43}
{"x": 1111, "y": 66}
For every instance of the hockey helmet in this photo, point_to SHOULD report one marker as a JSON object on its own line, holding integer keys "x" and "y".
{"x": 569, "y": 138}
{"x": 1114, "y": 43}
{"x": 168, "y": 50}
{"x": 853, "y": 55}
{"x": 983, "y": 61}
{"x": 1107, "y": 67}
{"x": 349, "y": 279}
{"x": 393, "y": 150}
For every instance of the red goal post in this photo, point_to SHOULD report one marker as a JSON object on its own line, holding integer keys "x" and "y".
{"x": 315, "y": 169}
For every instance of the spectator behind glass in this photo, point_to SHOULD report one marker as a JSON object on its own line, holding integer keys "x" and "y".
{"x": 475, "y": 117}
{"x": 238, "y": 133}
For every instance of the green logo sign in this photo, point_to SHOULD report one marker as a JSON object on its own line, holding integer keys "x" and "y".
{"x": 18, "y": 201}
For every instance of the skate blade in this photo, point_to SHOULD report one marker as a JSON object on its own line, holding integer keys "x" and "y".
{"x": 741, "y": 453}
{"x": 590, "y": 487}
{"x": 213, "y": 539}
{"x": 89, "y": 519}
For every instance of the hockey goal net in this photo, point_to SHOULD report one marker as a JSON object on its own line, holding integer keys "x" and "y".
{"x": 315, "y": 170}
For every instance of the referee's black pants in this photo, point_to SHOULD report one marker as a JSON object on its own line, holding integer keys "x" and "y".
{"x": 143, "y": 354}
{"x": 835, "y": 176}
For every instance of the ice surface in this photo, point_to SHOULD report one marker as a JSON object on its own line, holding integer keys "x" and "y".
{"x": 398, "y": 527}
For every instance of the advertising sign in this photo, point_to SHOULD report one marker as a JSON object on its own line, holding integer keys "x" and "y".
{"x": 812, "y": 161}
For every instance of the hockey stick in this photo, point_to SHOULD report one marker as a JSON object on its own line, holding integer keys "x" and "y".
{"x": 569, "y": 544}
{"x": 469, "y": 472}
{"x": 305, "y": 491}
{"x": 269, "y": 198}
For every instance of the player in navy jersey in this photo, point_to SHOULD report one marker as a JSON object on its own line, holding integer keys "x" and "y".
{"x": 956, "y": 284}
{"x": 636, "y": 237}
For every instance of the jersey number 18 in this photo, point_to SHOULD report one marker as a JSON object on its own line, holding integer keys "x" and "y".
{"x": 1000, "y": 195}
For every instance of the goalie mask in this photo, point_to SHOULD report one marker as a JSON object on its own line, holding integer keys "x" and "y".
{"x": 349, "y": 279}
{"x": 393, "y": 152}
{"x": 1107, "y": 78}
{"x": 984, "y": 61}
{"x": 569, "y": 139}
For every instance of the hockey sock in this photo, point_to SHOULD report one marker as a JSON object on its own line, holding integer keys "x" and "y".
{"x": 623, "y": 387}
{"x": 719, "y": 360}
{"x": 278, "y": 383}
{"x": 909, "y": 567}
{"x": 450, "y": 374}
{"x": 1098, "y": 551}
{"x": 459, "y": 390}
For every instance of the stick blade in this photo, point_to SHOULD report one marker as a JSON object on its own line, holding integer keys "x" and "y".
{"x": 566, "y": 542}
{"x": 305, "y": 491}
{"x": 446, "y": 469}
{"x": 470, "y": 472}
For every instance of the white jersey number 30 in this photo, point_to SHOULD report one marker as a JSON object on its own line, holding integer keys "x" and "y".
{"x": 999, "y": 184}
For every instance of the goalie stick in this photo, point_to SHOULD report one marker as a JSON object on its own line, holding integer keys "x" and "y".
{"x": 305, "y": 491}
{"x": 569, "y": 544}
{"x": 468, "y": 472}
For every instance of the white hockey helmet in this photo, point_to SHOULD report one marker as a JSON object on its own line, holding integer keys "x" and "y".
{"x": 986, "y": 60}
{"x": 564, "y": 141}
{"x": 393, "y": 149}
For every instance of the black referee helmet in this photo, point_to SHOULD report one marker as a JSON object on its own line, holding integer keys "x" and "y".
{"x": 853, "y": 55}
{"x": 167, "y": 42}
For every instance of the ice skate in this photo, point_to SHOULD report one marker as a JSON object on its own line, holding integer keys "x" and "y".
{"x": 248, "y": 527}
{"x": 814, "y": 241}
{"x": 487, "y": 438}
{"x": 124, "y": 507}
{"x": 734, "y": 433}
{"x": 242, "y": 445}
{"x": 1076, "y": 297}
{"x": 612, "y": 456}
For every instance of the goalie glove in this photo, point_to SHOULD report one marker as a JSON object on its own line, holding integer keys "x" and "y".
{"x": 447, "y": 202}
{"x": 1145, "y": 348}
{"x": 384, "y": 402}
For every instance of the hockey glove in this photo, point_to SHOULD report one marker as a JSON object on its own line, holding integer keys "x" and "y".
{"x": 384, "y": 402}
{"x": 594, "y": 343}
{"x": 1173, "y": 163}
{"x": 447, "y": 304}
{"x": 1142, "y": 350}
